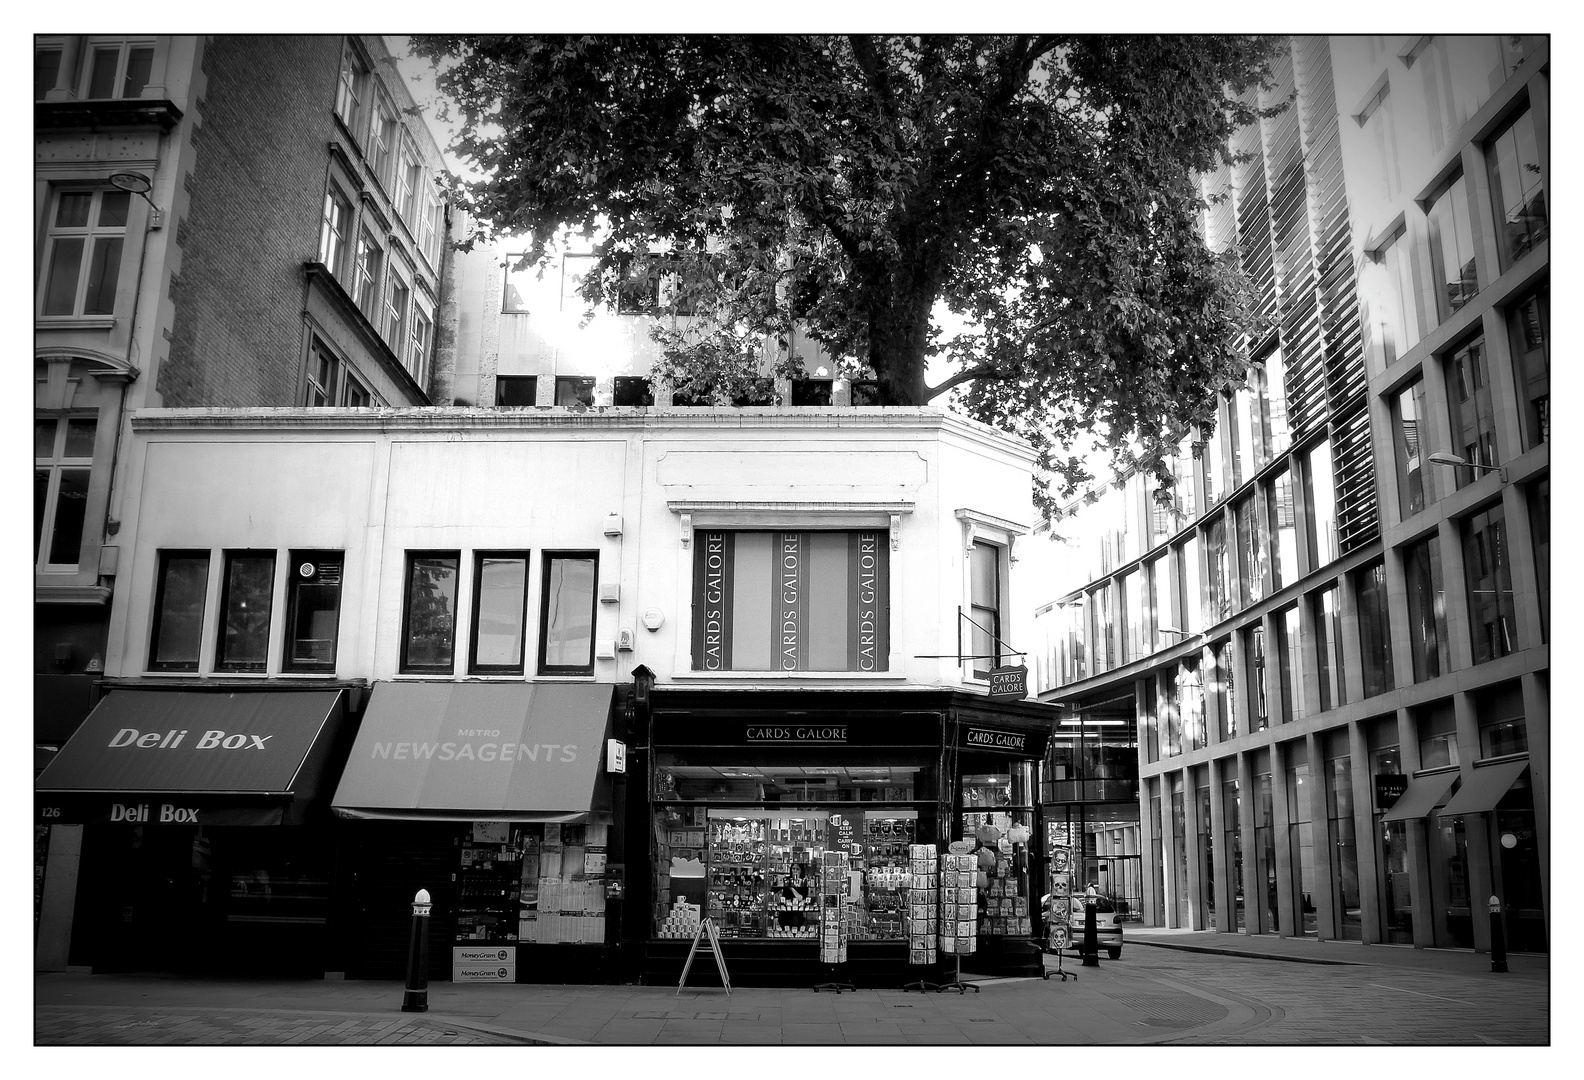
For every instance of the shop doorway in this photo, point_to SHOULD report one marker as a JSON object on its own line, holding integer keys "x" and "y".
{"x": 146, "y": 899}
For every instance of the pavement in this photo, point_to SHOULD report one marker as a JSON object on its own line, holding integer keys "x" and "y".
{"x": 1170, "y": 987}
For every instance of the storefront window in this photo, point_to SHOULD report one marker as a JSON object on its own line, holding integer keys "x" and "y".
{"x": 1265, "y": 852}
{"x": 1301, "y": 844}
{"x": 1179, "y": 851}
{"x": 1233, "y": 842}
{"x": 1207, "y": 883}
{"x": 794, "y": 601}
{"x": 1392, "y": 840}
{"x": 1346, "y": 899}
{"x": 1449, "y": 883}
{"x": 541, "y": 883}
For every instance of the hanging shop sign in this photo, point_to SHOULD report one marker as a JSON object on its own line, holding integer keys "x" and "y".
{"x": 1389, "y": 787}
{"x": 490, "y": 964}
{"x": 615, "y": 756}
{"x": 996, "y": 740}
{"x": 1009, "y": 682}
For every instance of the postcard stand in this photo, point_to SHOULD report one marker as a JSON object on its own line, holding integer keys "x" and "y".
{"x": 833, "y": 884}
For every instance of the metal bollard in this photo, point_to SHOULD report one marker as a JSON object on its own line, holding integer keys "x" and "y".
{"x": 1498, "y": 936}
{"x": 1091, "y": 940}
{"x": 416, "y": 999}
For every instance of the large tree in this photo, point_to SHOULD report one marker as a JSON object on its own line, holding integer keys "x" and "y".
{"x": 1041, "y": 187}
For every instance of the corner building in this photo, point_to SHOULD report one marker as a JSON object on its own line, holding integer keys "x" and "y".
{"x": 1324, "y": 665}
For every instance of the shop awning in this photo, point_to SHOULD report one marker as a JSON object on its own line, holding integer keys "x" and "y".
{"x": 1484, "y": 788}
{"x": 480, "y": 752}
{"x": 1422, "y": 794}
{"x": 193, "y": 757}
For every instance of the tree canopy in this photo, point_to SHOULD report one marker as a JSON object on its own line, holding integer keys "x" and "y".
{"x": 1042, "y": 188}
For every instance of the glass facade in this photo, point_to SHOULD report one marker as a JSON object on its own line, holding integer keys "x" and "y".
{"x": 1408, "y": 414}
{"x": 1452, "y": 259}
{"x": 1426, "y": 609}
{"x": 1492, "y": 620}
{"x": 1301, "y": 844}
{"x": 1517, "y": 188}
{"x": 1375, "y": 647}
{"x": 1473, "y": 413}
{"x": 1328, "y": 648}
{"x": 1528, "y": 325}
{"x": 1346, "y": 899}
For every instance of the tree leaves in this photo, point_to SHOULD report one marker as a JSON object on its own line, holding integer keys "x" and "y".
{"x": 1041, "y": 187}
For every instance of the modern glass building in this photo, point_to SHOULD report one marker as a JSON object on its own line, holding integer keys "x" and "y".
{"x": 1309, "y": 693}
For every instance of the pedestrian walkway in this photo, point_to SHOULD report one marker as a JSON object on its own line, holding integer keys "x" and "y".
{"x": 1314, "y": 951}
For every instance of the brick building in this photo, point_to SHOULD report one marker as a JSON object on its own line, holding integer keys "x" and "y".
{"x": 228, "y": 221}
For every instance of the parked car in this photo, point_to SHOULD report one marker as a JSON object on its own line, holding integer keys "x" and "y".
{"x": 1108, "y": 925}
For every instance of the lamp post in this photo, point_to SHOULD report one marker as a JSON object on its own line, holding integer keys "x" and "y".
{"x": 1445, "y": 458}
{"x": 416, "y": 999}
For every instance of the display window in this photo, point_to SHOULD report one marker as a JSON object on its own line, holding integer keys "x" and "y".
{"x": 532, "y": 883}
{"x": 755, "y": 870}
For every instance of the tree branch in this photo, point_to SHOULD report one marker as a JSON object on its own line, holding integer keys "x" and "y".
{"x": 967, "y": 375}
{"x": 879, "y": 83}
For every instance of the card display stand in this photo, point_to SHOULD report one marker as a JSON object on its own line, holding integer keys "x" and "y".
{"x": 959, "y": 915}
{"x": 834, "y": 917}
{"x": 922, "y": 919}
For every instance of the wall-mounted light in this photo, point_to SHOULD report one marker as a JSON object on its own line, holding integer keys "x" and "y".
{"x": 140, "y": 185}
{"x": 1446, "y": 458}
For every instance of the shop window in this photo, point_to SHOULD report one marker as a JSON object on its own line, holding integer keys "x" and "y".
{"x": 82, "y": 253}
{"x": 1426, "y": 609}
{"x": 1328, "y": 648}
{"x": 573, "y": 390}
{"x": 1265, "y": 853}
{"x": 1408, "y": 416}
{"x": 246, "y": 594}
{"x": 1452, "y": 249}
{"x": 180, "y": 590}
{"x": 1375, "y": 648}
{"x": 1320, "y": 502}
{"x": 516, "y": 391}
{"x": 313, "y": 611}
{"x": 1528, "y": 327}
{"x": 1492, "y": 623}
{"x": 429, "y": 612}
{"x": 1473, "y": 413}
{"x": 1517, "y": 188}
{"x": 63, "y": 450}
{"x": 117, "y": 69}
{"x": 632, "y": 390}
{"x": 566, "y": 616}
{"x": 1283, "y": 530}
{"x": 1346, "y": 899}
{"x": 792, "y": 601}
{"x": 500, "y": 612}
{"x": 812, "y": 392}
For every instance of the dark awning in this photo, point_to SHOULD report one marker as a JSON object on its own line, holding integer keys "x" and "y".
{"x": 1484, "y": 788}
{"x": 1422, "y": 794}
{"x": 480, "y": 752}
{"x": 195, "y": 757}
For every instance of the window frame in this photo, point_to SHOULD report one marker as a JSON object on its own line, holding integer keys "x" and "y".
{"x": 58, "y": 463}
{"x": 228, "y": 558}
{"x": 1495, "y": 544}
{"x": 396, "y": 309}
{"x": 1454, "y": 193}
{"x": 546, "y": 559}
{"x": 125, "y": 48}
{"x": 1474, "y": 378}
{"x": 520, "y": 667}
{"x": 994, "y": 611}
{"x": 367, "y": 276}
{"x": 576, "y": 384}
{"x": 335, "y": 248}
{"x": 157, "y": 614}
{"x": 1507, "y": 254}
{"x": 354, "y": 89}
{"x": 405, "y": 664}
{"x": 502, "y": 381}
{"x": 91, "y": 236}
{"x": 1410, "y": 463}
{"x": 384, "y": 139}
{"x": 1534, "y": 409}
{"x": 295, "y": 583}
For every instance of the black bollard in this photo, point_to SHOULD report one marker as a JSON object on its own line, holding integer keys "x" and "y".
{"x": 1498, "y": 936}
{"x": 1091, "y": 941}
{"x": 416, "y": 999}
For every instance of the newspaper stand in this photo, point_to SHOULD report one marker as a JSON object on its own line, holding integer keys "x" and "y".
{"x": 833, "y": 882}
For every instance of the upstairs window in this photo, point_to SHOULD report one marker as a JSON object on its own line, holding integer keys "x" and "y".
{"x": 430, "y": 226}
{"x": 500, "y": 612}
{"x": 352, "y": 88}
{"x": 1488, "y": 573}
{"x": 1473, "y": 412}
{"x": 46, "y": 70}
{"x": 384, "y": 130}
{"x": 1517, "y": 188}
{"x": 1386, "y": 294}
{"x": 330, "y": 381}
{"x": 574, "y": 390}
{"x": 985, "y": 635}
{"x": 82, "y": 253}
{"x": 118, "y": 69}
{"x": 566, "y": 616}
{"x": 429, "y": 613}
{"x": 180, "y": 588}
{"x": 419, "y": 330}
{"x": 366, "y": 274}
{"x": 1528, "y": 326}
{"x": 1452, "y": 249}
{"x": 1408, "y": 413}
{"x": 1320, "y": 502}
{"x": 398, "y": 294}
{"x": 335, "y": 232}
{"x": 514, "y": 299}
{"x": 409, "y": 172}
{"x": 516, "y": 391}
{"x": 63, "y": 453}
{"x": 791, "y": 601}
{"x": 811, "y": 392}
{"x": 313, "y": 611}
{"x": 632, "y": 390}
{"x": 246, "y": 593}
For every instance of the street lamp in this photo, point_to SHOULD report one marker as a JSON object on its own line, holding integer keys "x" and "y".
{"x": 1446, "y": 458}
{"x": 140, "y": 185}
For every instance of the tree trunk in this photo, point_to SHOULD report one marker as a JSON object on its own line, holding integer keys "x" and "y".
{"x": 899, "y": 327}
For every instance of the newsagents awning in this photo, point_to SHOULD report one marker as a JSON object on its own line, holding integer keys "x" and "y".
{"x": 480, "y": 752}
{"x": 1484, "y": 788}
{"x": 1422, "y": 794}
{"x": 193, "y": 757}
